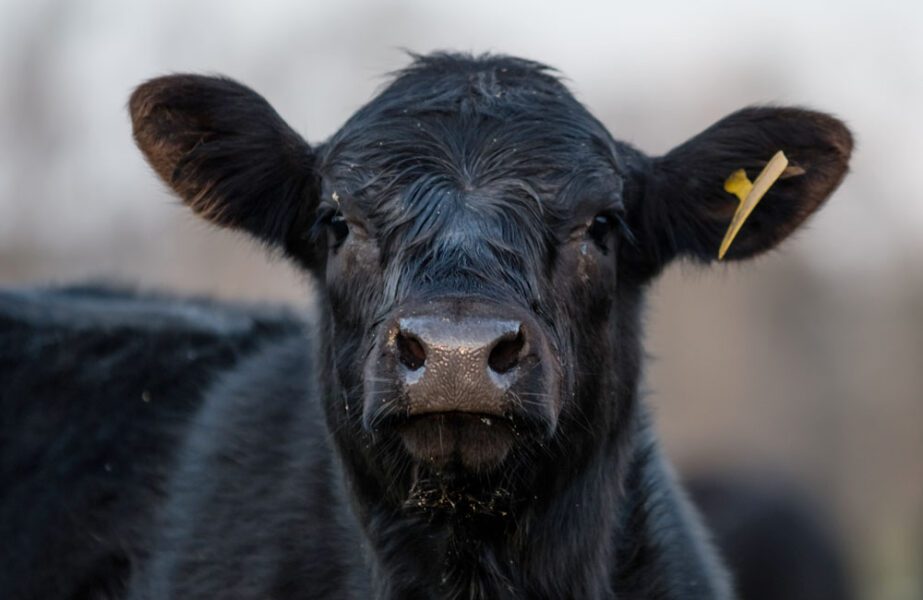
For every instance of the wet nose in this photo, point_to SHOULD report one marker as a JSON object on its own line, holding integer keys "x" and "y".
{"x": 463, "y": 365}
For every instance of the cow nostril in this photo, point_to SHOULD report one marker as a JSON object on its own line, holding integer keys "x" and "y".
{"x": 506, "y": 353}
{"x": 410, "y": 351}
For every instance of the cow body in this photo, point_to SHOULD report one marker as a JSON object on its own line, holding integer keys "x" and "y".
{"x": 461, "y": 419}
{"x": 98, "y": 387}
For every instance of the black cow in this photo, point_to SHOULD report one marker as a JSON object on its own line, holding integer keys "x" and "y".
{"x": 462, "y": 419}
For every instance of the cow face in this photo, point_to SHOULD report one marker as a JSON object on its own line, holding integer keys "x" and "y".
{"x": 471, "y": 244}
{"x": 474, "y": 227}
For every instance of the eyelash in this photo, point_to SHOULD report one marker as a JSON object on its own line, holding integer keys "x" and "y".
{"x": 600, "y": 228}
{"x": 339, "y": 228}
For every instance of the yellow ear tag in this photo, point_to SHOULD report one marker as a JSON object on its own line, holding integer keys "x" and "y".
{"x": 749, "y": 195}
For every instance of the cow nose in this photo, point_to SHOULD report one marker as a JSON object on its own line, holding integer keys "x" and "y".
{"x": 502, "y": 342}
{"x": 463, "y": 365}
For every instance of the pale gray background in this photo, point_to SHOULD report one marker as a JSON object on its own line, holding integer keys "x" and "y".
{"x": 807, "y": 363}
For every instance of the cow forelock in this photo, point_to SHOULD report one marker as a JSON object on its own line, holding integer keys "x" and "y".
{"x": 483, "y": 168}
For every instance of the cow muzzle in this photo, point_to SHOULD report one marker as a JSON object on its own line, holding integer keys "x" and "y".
{"x": 461, "y": 381}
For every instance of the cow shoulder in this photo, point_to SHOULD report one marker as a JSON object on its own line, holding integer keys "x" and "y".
{"x": 256, "y": 504}
{"x": 97, "y": 387}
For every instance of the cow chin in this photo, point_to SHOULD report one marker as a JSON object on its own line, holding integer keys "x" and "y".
{"x": 461, "y": 466}
{"x": 476, "y": 443}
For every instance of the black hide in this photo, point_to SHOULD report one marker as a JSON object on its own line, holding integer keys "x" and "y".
{"x": 469, "y": 188}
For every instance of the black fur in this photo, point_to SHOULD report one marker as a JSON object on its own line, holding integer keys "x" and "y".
{"x": 98, "y": 386}
{"x": 482, "y": 180}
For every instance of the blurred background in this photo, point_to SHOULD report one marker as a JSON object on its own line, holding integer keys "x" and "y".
{"x": 803, "y": 366}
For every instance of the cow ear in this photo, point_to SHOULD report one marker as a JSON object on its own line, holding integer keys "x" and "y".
{"x": 230, "y": 157}
{"x": 681, "y": 207}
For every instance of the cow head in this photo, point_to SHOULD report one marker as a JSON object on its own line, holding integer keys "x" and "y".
{"x": 481, "y": 242}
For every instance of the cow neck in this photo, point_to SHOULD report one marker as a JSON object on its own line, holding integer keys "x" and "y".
{"x": 522, "y": 555}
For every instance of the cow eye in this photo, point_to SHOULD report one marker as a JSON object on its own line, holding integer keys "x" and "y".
{"x": 600, "y": 228}
{"x": 338, "y": 228}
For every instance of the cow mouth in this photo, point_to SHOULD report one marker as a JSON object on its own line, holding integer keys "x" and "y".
{"x": 472, "y": 442}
